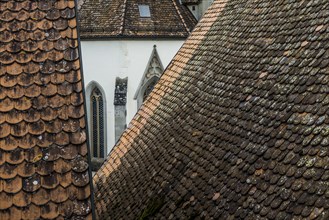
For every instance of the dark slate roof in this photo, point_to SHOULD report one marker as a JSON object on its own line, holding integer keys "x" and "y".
{"x": 238, "y": 125}
{"x": 43, "y": 152}
{"x": 118, "y": 18}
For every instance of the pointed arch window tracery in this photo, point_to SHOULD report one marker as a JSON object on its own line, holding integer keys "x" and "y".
{"x": 149, "y": 87}
{"x": 152, "y": 74}
{"x": 97, "y": 123}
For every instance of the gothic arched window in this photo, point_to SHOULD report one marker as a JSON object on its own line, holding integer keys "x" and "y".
{"x": 152, "y": 74}
{"x": 97, "y": 123}
{"x": 149, "y": 87}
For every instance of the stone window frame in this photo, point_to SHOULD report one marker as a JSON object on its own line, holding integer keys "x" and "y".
{"x": 96, "y": 161}
{"x": 146, "y": 90}
{"x": 148, "y": 78}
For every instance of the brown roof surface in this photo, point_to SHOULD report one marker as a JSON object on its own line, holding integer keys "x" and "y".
{"x": 121, "y": 18}
{"x": 190, "y": 2}
{"x": 238, "y": 125}
{"x": 43, "y": 152}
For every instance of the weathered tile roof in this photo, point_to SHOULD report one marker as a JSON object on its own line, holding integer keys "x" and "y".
{"x": 187, "y": 2}
{"x": 43, "y": 152}
{"x": 121, "y": 18}
{"x": 238, "y": 125}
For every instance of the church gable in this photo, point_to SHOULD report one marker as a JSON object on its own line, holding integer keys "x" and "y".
{"x": 152, "y": 74}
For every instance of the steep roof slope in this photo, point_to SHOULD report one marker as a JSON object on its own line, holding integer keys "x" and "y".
{"x": 43, "y": 152}
{"x": 118, "y": 18}
{"x": 237, "y": 126}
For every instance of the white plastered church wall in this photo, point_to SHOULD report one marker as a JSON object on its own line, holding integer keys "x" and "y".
{"x": 104, "y": 60}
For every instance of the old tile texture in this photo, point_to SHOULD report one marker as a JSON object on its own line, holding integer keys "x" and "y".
{"x": 43, "y": 151}
{"x": 121, "y": 18}
{"x": 191, "y": 2}
{"x": 238, "y": 125}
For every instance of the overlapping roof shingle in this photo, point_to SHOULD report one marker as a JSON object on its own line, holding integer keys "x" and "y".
{"x": 238, "y": 125}
{"x": 43, "y": 152}
{"x": 117, "y": 18}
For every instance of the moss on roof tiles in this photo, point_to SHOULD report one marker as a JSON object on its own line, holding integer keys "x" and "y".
{"x": 44, "y": 172}
{"x": 116, "y": 18}
{"x": 236, "y": 126}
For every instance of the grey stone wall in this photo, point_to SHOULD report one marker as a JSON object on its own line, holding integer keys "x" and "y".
{"x": 120, "y": 111}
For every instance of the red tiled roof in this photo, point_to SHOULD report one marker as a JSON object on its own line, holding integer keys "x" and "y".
{"x": 237, "y": 127}
{"x": 43, "y": 151}
{"x": 118, "y": 18}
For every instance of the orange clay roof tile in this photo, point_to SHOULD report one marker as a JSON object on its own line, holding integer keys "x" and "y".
{"x": 44, "y": 171}
{"x": 240, "y": 130}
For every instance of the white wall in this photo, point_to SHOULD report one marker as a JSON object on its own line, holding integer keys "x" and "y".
{"x": 195, "y": 10}
{"x": 200, "y": 9}
{"x": 103, "y": 61}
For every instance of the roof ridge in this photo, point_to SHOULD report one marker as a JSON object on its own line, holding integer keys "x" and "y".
{"x": 123, "y": 17}
{"x": 181, "y": 17}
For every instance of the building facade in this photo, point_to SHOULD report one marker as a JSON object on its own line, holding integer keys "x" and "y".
{"x": 126, "y": 45}
{"x": 197, "y": 7}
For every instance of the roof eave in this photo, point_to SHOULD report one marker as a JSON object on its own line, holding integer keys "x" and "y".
{"x": 127, "y": 37}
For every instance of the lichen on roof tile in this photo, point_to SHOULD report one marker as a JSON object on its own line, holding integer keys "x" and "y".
{"x": 43, "y": 152}
{"x": 236, "y": 128}
{"x": 103, "y": 19}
